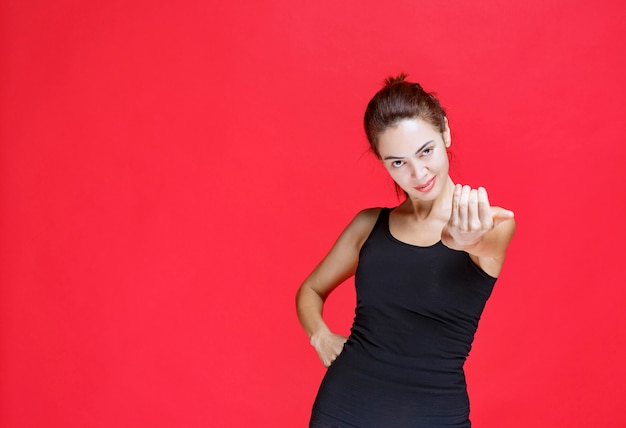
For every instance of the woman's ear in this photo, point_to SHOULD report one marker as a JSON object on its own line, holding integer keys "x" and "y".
{"x": 447, "y": 139}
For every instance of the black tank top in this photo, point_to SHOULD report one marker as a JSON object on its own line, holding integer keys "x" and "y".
{"x": 416, "y": 315}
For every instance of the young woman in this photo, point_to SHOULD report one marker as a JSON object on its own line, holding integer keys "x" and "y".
{"x": 423, "y": 273}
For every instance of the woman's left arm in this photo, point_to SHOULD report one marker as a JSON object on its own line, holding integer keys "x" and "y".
{"x": 478, "y": 228}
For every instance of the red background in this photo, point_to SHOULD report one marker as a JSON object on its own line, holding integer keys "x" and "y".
{"x": 170, "y": 171}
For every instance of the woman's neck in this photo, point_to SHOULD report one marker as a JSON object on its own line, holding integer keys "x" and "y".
{"x": 438, "y": 207}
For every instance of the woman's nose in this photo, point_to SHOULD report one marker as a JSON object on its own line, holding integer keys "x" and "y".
{"x": 419, "y": 171}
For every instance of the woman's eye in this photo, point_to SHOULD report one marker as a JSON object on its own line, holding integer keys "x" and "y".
{"x": 397, "y": 164}
{"x": 427, "y": 151}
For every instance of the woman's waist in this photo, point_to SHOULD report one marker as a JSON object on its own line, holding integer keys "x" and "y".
{"x": 411, "y": 349}
{"x": 415, "y": 360}
{"x": 415, "y": 377}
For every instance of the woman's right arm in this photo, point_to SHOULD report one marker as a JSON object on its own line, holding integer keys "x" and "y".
{"x": 338, "y": 265}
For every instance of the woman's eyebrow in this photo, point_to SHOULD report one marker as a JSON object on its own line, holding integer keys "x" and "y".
{"x": 401, "y": 157}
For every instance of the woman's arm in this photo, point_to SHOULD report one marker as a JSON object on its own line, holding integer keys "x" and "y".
{"x": 479, "y": 229}
{"x": 338, "y": 265}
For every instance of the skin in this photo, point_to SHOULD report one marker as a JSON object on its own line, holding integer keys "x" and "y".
{"x": 414, "y": 153}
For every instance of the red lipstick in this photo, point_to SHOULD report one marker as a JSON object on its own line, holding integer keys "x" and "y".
{"x": 426, "y": 187}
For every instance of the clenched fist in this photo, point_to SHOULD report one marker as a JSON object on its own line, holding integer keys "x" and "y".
{"x": 472, "y": 216}
{"x": 328, "y": 346}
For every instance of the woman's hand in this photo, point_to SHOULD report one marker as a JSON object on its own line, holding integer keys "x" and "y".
{"x": 328, "y": 346}
{"x": 472, "y": 217}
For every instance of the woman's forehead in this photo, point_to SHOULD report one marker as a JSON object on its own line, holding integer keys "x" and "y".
{"x": 408, "y": 134}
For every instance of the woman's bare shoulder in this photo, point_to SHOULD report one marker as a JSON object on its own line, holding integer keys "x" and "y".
{"x": 367, "y": 217}
{"x": 362, "y": 224}
{"x": 369, "y": 214}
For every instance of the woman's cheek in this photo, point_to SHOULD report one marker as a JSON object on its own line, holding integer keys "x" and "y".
{"x": 398, "y": 177}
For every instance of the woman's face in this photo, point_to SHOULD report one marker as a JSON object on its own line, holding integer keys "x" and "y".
{"x": 414, "y": 153}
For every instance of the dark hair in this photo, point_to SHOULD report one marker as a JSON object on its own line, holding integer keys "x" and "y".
{"x": 399, "y": 100}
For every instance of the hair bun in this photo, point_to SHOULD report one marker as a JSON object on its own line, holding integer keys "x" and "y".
{"x": 393, "y": 80}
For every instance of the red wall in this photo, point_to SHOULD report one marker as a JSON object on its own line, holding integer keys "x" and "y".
{"x": 171, "y": 170}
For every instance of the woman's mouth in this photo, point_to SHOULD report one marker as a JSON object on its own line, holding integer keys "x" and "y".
{"x": 426, "y": 187}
